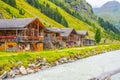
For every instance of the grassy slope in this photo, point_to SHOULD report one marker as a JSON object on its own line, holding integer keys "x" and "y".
{"x": 72, "y": 21}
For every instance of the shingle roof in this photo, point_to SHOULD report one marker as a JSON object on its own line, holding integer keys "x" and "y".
{"x": 66, "y": 31}
{"x": 56, "y": 30}
{"x": 82, "y": 33}
{"x": 15, "y": 23}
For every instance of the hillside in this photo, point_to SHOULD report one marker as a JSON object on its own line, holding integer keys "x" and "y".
{"x": 110, "y": 12}
{"x": 74, "y": 14}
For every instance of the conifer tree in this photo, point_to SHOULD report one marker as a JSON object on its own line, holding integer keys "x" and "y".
{"x": 98, "y": 36}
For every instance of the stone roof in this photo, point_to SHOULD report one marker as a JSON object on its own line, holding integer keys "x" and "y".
{"x": 56, "y": 30}
{"x": 84, "y": 33}
{"x": 65, "y": 32}
{"x": 15, "y": 23}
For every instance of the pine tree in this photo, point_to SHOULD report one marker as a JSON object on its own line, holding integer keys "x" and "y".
{"x": 64, "y": 22}
{"x": 98, "y": 36}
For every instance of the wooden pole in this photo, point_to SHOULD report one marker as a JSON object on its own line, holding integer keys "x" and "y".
{"x": 38, "y": 29}
{"x": 33, "y": 34}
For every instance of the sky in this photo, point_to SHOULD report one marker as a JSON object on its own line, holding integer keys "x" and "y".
{"x": 98, "y": 3}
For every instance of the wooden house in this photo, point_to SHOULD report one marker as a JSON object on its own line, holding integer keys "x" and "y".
{"x": 52, "y": 38}
{"x": 81, "y": 37}
{"x": 89, "y": 42}
{"x": 69, "y": 36}
{"x": 21, "y": 34}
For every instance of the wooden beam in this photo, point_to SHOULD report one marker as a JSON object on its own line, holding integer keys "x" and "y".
{"x": 106, "y": 75}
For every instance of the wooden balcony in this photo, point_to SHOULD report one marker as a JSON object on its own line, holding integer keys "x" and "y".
{"x": 71, "y": 39}
{"x": 31, "y": 39}
{"x": 59, "y": 38}
{"x": 52, "y": 39}
{"x": 21, "y": 38}
{"x": 7, "y": 37}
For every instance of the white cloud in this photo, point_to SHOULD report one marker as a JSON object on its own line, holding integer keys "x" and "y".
{"x": 98, "y": 3}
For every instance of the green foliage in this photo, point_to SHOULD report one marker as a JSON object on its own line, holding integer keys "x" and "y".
{"x": 50, "y": 12}
{"x": 63, "y": 21}
{"x": 12, "y": 3}
{"x": 108, "y": 26}
{"x": 98, "y": 36}
{"x": 72, "y": 11}
{"x": 21, "y": 11}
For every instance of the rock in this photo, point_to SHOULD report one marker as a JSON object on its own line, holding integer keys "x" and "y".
{"x": 70, "y": 60}
{"x": 4, "y": 75}
{"x": 62, "y": 60}
{"x": 19, "y": 63}
{"x": 38, "y": 65}
{"x": 36, "y": 70}
{"x": 52, "y": 64}
{"x": 44, "y": 67}
{"x": 75, "y": 59}
{"x": 12, "y": 73}
{"x": 23, "y": 70}
{"x": 78, "y": 56}
{"x": 30, "y": 71}
{"x": 93, "y": 79}
{"x": 31, "y": 65}
{"x": 1, "y": 79}
{"x": 43, "y": 61}
{"x": 57, "y": 63}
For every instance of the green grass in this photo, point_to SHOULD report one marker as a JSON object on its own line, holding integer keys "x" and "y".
{"x": 9, "y": 59}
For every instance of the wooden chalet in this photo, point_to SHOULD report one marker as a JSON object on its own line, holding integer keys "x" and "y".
{"x": 69, "y": 36}
{"x": 52, "y": 38}
{"x": 81, "y": 37}
{"x": 21, "y": 34}
{"x": 89, "y": 42}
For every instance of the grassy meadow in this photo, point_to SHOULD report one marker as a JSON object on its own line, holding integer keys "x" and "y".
{"x": 10, "y": 59}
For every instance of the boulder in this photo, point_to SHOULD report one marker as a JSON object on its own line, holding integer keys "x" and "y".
{"x": 57, "y": 63}
{"x": 43, "y": 61}
{"x": 4, "y": 75}
{"x": 70, "y": 60}
{"x": 30, "y": 71}
{"x": 12, "y": 73}
{"x": 44, "y": 67}
{"x": 62, "y": 60}
{"x": 22, "y": 70}
{"x": 31, "y": 65}
{"x": 1, "y": 79}
{"x": 19, "y": 63}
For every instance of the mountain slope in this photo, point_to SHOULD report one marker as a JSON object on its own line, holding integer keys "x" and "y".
{"x": 110, "y": 12}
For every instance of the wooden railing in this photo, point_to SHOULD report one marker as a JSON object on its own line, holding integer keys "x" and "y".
{"x": 21, "y": 38}
{"x": 52, "y": 38}
{"x": 7, "y": 37}
{"x": 71, "y": 39}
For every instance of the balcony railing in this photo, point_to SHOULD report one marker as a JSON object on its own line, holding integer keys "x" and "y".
{"x": 71, "y": 39}
{"x": 7, "y": 37}
{"x": 22, "y": 38}
{"x": 50, "y": 38}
